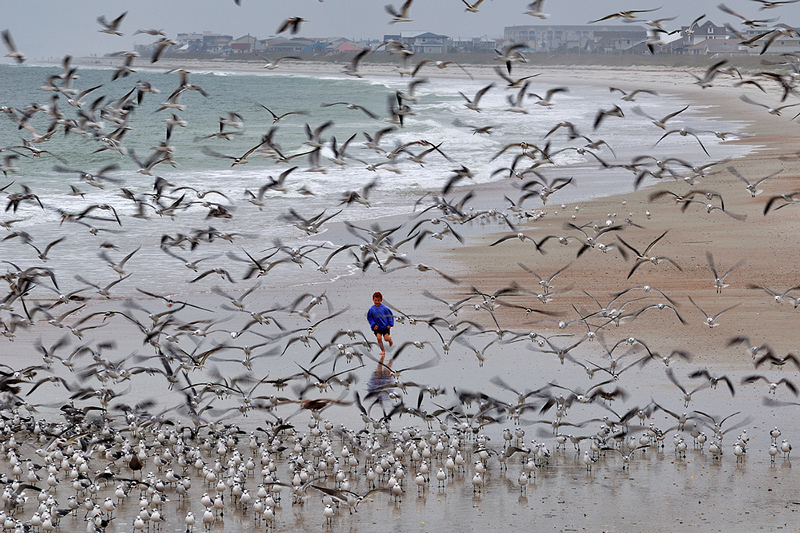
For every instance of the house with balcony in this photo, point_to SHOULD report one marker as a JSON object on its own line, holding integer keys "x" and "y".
{"x": 425, "y": 42}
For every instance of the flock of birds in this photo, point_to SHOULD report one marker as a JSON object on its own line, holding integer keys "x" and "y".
{"x": 104, "y": 454}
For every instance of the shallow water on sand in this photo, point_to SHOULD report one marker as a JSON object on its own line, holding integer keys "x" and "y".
{"x": 658, "y": 492}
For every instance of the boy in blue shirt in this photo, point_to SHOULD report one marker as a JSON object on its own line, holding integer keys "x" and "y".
{"x": 381, "y": 320}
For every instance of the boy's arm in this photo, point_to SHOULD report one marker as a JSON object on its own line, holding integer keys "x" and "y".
{"x": 370, "y": 319}
{"x": 390, "y": 317}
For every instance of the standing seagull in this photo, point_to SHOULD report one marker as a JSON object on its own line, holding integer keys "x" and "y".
{"x": 13, "y": 53}
{"x": 111, "y": 28}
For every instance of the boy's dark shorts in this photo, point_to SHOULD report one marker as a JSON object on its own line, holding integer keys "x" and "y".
{"x": 381, "y": 331}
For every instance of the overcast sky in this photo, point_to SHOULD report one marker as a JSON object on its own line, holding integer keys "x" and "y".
{"x": 53, "y": 28}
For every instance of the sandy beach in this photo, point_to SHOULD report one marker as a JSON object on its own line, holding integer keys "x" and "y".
{"x": 661, "y": 491}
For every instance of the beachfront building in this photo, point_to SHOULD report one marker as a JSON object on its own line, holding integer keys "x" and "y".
{"x": 783, "y": 44}
{"x": 616, "y": 41}
{"x": 703, "y": 32}
{"x": 563, "y": 38}
{"x": 189, "y": 42}
{"x": 208, "y": 42}
{"x": 215, "y": 43}
{"x": 424, "y": 42}
{"x": 714, "y": 47}
{"x": 710, "y": 39}
{"x": 282, "y": 45}
{"x": 243, "y": 45}
{"x": 473, "y": 45}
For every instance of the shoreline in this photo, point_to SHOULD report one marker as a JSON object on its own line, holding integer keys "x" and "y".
{"x": 761, "y": 241}
{"x": 310, "y": 67}
{"x": 766, "y": 139}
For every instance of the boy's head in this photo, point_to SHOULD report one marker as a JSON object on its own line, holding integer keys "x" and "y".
{"x": 377, "y": 298}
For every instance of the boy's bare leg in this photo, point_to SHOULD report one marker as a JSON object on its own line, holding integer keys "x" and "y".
{"x": 388, "y": 339}
{"x": 379, "y": 337}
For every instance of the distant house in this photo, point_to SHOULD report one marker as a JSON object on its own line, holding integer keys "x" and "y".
{"x": 473, "y": 45}
{"x": 715, "y": 46}
{"x": 346, "y": 47}
{"x": 619, "y": 41}
{"x": 703, "y": 32}
{"x": 189, "y": 42}
{"x": 281, "y": 45}
{"x": 676, "y": 46}
{"x": 424, "y": 43}
{"x": 782, "y": 44}
{"x": 243, "y": 45}
{"x": 546, "y": 38}
{"x": 215, "y": 43}
{"x": 206, "y": 41}
{"x": 317, "y": 47}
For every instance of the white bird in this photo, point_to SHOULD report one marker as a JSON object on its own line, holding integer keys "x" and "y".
{"x": 771, "y": 110}
{"x": 352, "y": 68}
{"x": 773, "y": 452}
{"x": 477, "y": 482}
{"x": 588, "y": 460}
{"x": 662, "y": 122}
{"x": 272, "y": 65}
{"x": 719, "y": 281}
{"x": 402, "y": 15}
{"x": 739, "y": 451}
{"x": 474, "y": 103}
{"x": 328, "y": 513}
{"x": 786, "y": 448}
{"x": 111, "y": 28}
{"x": 535, "y": 10}
{"x": 752, "y": 188}
{"x": 773, "y": 385}
{"x": 472, "y": 8}
{"x": 711, "y": 321}
{"x": 13, "y": 53}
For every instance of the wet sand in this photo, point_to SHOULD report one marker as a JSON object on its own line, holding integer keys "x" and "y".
{"x": 661, "y": 492}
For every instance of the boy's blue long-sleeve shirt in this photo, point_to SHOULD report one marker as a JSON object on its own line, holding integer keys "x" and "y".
{"x": 380, "y": 316}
